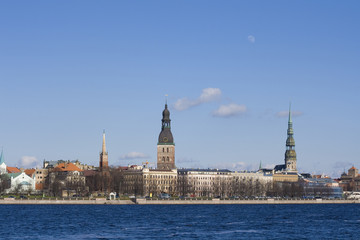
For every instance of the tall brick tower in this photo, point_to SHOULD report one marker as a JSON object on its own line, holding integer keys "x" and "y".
{"x": 166, "y": 145}
{"x": 103, "y": 165}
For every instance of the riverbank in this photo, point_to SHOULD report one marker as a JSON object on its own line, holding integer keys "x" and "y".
{"x": 170, "y": 202}
{"x": 65, "y": 201}
{"x": 266, "y": 201}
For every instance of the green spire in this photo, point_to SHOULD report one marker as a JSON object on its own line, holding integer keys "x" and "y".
{"x": 290, "y": 130}
{"x": 260, "y": 166}
{"x": 1, "y": 157}
{"x": 290, "y": 120}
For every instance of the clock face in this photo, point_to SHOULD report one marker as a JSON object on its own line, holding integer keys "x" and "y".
{"x": 165, "y": 139}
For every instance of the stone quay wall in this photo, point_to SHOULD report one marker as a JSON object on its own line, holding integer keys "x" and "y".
{"x": 65, "y": 202}
{"x": 267, "y": 201}
{"x": 141, "y": 201}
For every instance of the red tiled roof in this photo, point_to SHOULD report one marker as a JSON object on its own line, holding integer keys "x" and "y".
{"x": 29, "y": 172}
{"x": 12, "y": 170}
{"x": 67, "y": 167}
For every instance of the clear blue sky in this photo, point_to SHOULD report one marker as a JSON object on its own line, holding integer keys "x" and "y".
{"x": 69, "y": 69}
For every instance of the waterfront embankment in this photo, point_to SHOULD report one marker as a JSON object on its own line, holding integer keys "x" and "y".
{"x": 172, "y": 202}
{"x": 66, "y": 201}
{"x": 266, "y": 201}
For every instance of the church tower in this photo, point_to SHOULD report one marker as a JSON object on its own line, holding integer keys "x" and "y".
{"x": 103, "y": 165}
{"x": 290, "y": 154}
{"x": 166, "y": 145}
{"x": 3, "y": 166}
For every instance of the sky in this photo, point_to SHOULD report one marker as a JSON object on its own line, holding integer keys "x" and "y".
{"x": 70, "y": 69}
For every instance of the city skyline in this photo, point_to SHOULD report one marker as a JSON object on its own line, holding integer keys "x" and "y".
{"x": 72, "y": 70}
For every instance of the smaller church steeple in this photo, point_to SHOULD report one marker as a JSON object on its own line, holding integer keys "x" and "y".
{"x": 103, "y": 165}
{"x": 103, "y": 144}
{"x": 3, "y": 167}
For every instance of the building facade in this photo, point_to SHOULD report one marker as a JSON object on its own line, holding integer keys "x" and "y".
{"x": 21, "y": 183}
{"x": 66, "y": 176}
{"x": 350, "y": 181}
{"x": 143, "y": 181}
{"x": 222, "y": 183}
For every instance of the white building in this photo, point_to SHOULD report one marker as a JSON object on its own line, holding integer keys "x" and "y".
{"x": 20, "y": 182}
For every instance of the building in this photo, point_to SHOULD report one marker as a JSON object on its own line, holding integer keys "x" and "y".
{"x": 290, "y": 154}
{"x": 351, "y": 180}
{"x": 285, "y": 177}
{"x": 204, "y": 182}
{"x": 54, "y": 163}
{"x": 166, "y": 145}
{"x": 321, "y": 187}
{"x": 144, "y": 181}
{"x": 40, "y": 176}
{"x": 66, "y": 176}
{"x": 13, "y": 170}
{"x": 20, "y": 182}
{"x": 103, "y": 163}
{"x": 222, "y": 183}
{"x": 158, "y": 181}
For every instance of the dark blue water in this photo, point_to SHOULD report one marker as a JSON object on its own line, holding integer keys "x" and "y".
{"x": 180, "y": 222}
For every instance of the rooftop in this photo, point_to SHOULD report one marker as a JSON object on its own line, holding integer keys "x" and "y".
{"x": 66, "y": 167}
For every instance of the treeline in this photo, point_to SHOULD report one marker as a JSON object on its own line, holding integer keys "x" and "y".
{"x": 119, "y": 181}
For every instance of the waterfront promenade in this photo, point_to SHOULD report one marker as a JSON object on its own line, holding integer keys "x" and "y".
{"x": 171, "y": 202}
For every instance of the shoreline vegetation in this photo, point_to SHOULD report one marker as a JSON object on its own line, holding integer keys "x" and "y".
{"x": 142, "y": 201}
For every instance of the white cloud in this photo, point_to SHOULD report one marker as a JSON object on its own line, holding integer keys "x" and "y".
{"x": 230, "y": 110}
{"x": 207, "y": 95}
{"x": 286, "y": 114}
{"x": 29, "y": 162}
{"x": 185, "y": 103}
{"x": 133, "y": 155}
{"x": 251, "y": 38}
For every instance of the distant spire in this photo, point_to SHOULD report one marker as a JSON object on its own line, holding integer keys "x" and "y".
{"x": 103, "y": 144}
{"x": 290, "y": 124}
{"x": 2, "y": 157}
{"x": 260, "y": 166}
{"x": 166, "y": 95}
{"x": 290, "y": 120}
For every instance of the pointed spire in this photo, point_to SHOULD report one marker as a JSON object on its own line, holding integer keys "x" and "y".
{"x": 260, "y": 166}
{"x": 103, "y": 144}
{"x": 2, "y": 157}
{"x": 290, "y": 130}
{"x": 290, "y": 120}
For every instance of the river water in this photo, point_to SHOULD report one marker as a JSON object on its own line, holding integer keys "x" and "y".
{"x": 323, "y": 221}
